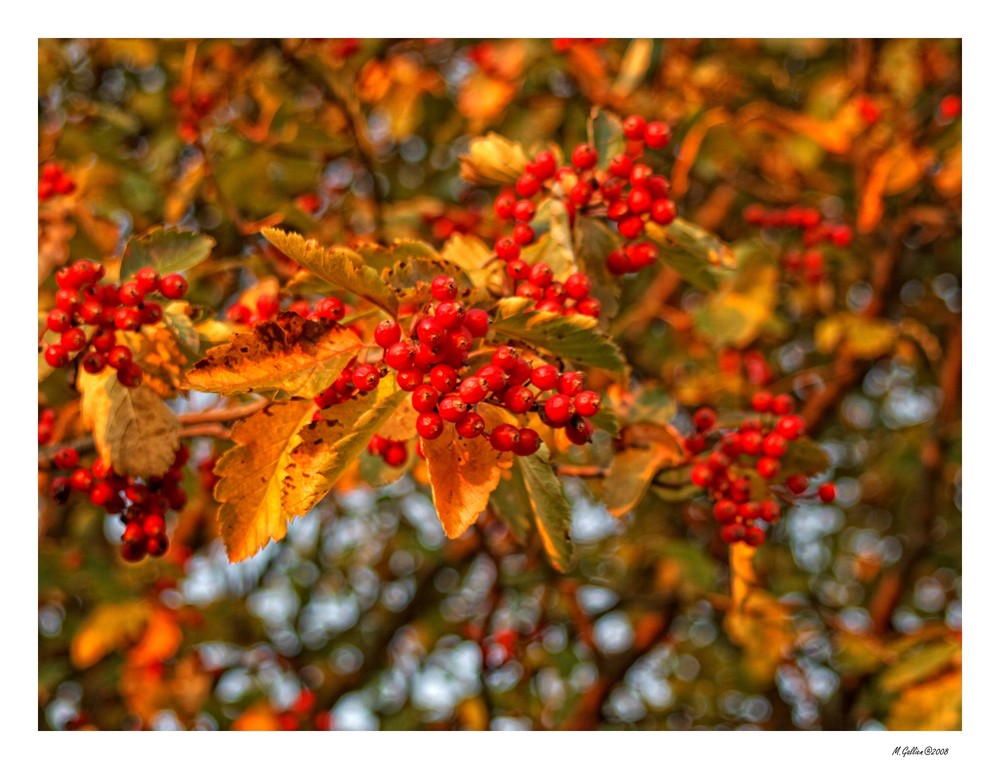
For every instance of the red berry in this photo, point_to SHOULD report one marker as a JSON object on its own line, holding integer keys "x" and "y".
{"x": 130, "y": 375}
{"x": 444, "y": 288}
{"x": 725, "y": 511}
{"x": 540, "y": 275}
{"x": 519, "y": 399}
{"x": 733, "y": 532}
{"x": 449, "y": 314}
{"x": 504, "y": 205}
{"x": 591, "y": 306}
{"x": 148, "y": 279}
{"x": 631, "y": 227}
{"x": 528, "y": 185}
{"x": 56, "y": 355}
{"x": 59, "y": 320}
{"x": 523, "y": 234}
{"x": 790, "y": 427}
{"x": 545, "y": 377}
{"x": 505, "y": 357}
{"x": 444, "y": 378}
{"x": 365, "y": 377}
{"x": 473, "y": 389}
{"x": 452, "y": 408}
{"x": 470, "y": 426}
{"x": 477, "y": 322}
{"x": 768, "y": 467}
{"x": 754, "y": 536}
{"x": 579, "y": 430}
{"x": 527, "y": 443}
{"x": 769, "y": 511}
{"x": 518, "y": 269}
{"x": 587, "y": 403}
{"x": 827, "y": 492}
{"x": 496, "y": 378}
{"x": 578, "y": 286}
{"x": 620, "y": 165}
{"x": 328, "y": 308}
{"x": 430, "y": 332}
{"x": 131, "y": 293}
{"x": 150, "y": 312}
{"x": 66, "y": 458}
{"x": 395, "y": 455}
{"x": 119, "y": 356}
{"x": 657, "y": 135}
{"x": 399, "y": 356}
{"x": 639, "y": 201}
{"x": 782, "y": 404}
{"x": 377, "y": 445}
{"x": 504, "y": 437}
{"x": 797, "y": 484}
{"x": 173, "y": 286}
{"x": 524, "y": 211}
{"x": 570, "y": 383}
{"x": 127, "y": 319}
{"x": 93, "y": 362}
{"x": 101, "y": 493}
{"x": 774, "y": 445}
{"x": 634, "y": 127}
{"x": 761, "y": 401}
{"x": 584, "y": 157}
{"x": 387, "y": 333}
{"x": 663, "y": 211}
{"x": 704, "y": 420}
{"x": 752, "y": 442}
{"x": 424, "y": 399}
{"x": 73, "y": 339}
{"x": 559, "y": 409}
{"x": 506, "y": 249}
{"x": 430, "y": 426}
{"x": 544, "y": 165}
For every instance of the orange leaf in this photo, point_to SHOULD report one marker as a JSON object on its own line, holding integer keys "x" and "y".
{"x": 109, "y": 627}
{"x": 483, "y": 97}
{"x": 289, "y": 354}
{"x": 257, "y": 718}
{"x": 160, "y": 641}
{"x": 463, "y": 474}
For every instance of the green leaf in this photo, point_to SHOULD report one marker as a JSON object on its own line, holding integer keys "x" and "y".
{"x": 512, "y": 504}
{"x": 698, "y": 572}
{"x": 338, "y": 266}
{"x": 549, "y": 506}
{"x": 609, "y": 136}
{"x": 165, "y": 250}
{"x": 803, "y": 457}
{"x": 735, "y": 316}
{"x": 572, "y": 337}
{"x": 593, "y": 242}
{"x": 177, "y": 320}
{"x": 919, "y": 667}
{"x": 324, "y": 449}
{"x": 653, "y": 405}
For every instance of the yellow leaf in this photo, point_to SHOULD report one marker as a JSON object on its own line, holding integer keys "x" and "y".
{"x": 251, "y": 474}
{"x": 948, "y": 181}
{"x": 463, "y": 474}
{"x": 857, "y": 336}
{"x": 157, "y": 352}
{"x": 257, "y": 718}
{"x": 635, "y": 64}
{"x": 633, "y": 469}
{"x": 492, "y": 160}
{"x": 109, "y": 627}
{"x": 290, "y": 355}
{"x": 141, "y": 434}
{"x": 322, "y": 450}
{"x": 482, "y": 97}
{"x": 160, "y": 642}
{"x": 742, "y": 573}
{"x": 934, "y": 706}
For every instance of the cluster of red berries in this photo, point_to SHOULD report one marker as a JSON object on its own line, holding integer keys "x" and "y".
{"x": 54, "y": 182}
{"x": 81, "y": 300}
{"x": 46, "y": 421}
{"x": 142, "y": 505}
{"x": 431, "y": 363}
{"x": 814, "y": 230}
{"x": 727, "y": 460}
{"x": 537, "y": 282}
{"x": 564, "y": 44}
{"x": 393, "y": 453}
{"x": 628, "y": 192}
{"x": 193, "y": 107}
{"x": 329, "y": 308}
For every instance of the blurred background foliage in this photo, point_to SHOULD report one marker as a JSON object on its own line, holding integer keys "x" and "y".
{"x": 365, "y": 616}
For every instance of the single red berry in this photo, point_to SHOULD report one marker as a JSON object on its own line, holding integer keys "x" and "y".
{"x": 119, "y": 356}
{"x": 523, "y": 234}
{"x": 559, "y": 409}
{"x": 639, "y": 201}
{"x": 127, "y": 319}
{"x": 545, "y": 377}
{"x": 704, "y": 420}
{"x": 774, "y": 445}
{"x": 528, "y": 185}
{"x": 663, "y": 211}
{"x": 584, "y": 157}
{"x": 328, "y": 308}
{"x": 657, "y": 135}
{"x": 449, "y": 315}
{"x": 790, "y": 427}
{"x": 134, "y": 551}
{"x": 496, "y": 378}
{"x": 149, "y": 313}
{"x": 73, "y": 339}
{"x": 430, "y": 426}
{"x": 750, "y": 511}
{"x": 365, "y": 377}
{"x": 477, "y": 322}
{"x": 769, "y": 511}
{"x": 544, "y": 165}
{"x": 579, "y": 430}
{"x": 754, "y": 536}
{"x": 426, "y": 356}
{"x": 93, "y": 362}
{"x": 591, "y": 306}
{"x": 452, "y": 408}
{"x": 430, "y": 332}
{"x": 101, "y": 493}
{"x": 444, "y": 288}
{"x": 56, "y": 355}
{"x": 752, "y": 442}
{"x": 91, "y": 311}
{"x": 620, "y": 165}
{"x": 424, "y": 399}
{"x": 504, "y": 205}
{"x": 634, "y": 127}
{"x": 761, "y": 401}
{"x": 473, "y": 389}
{"x": 725, "y": 511}
{"x": 148, "y": 279}
{"x": 527, "y": 443}
{"x": 399, "y": 356}
{"x": 387, "y": 333}
{"x": 173, "y": 286}
{"x": 505, "y": 357}
{"x": 130, "y": 375}
{"x": 570, "y": 383}
{"x": 131, "y": 293}
{"x": 733, "y": 532}
{"x": 505, "y": 437}
{"x": 524, "y": 211}
{"x": 827, "y": 492}
{"x": 377, "y": 445}
{"x": 782, "y": 404}
{"x": 506, "y": 249}
{"x": 519, "y": 399}
{"x": 66, "y": 458}
{"x": 59, "y": 320}
{"x": 768, "y": 467}
{"x": 950, "y": 107}
{"x": 540, "y": 275}
{"x": 797, "y": 484}
{"x": 694, "y": 443}
{"x": 631, "y": 227}
{"x": 395, "y": 455}
{"x": 518, "y": 269}
{"x": 154, "y": 526}
{"x": 587, "y": 403}
{"x": 444, "y": 378}
{"x": 470, "y": 426}
{"x": 578, "y": 286}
